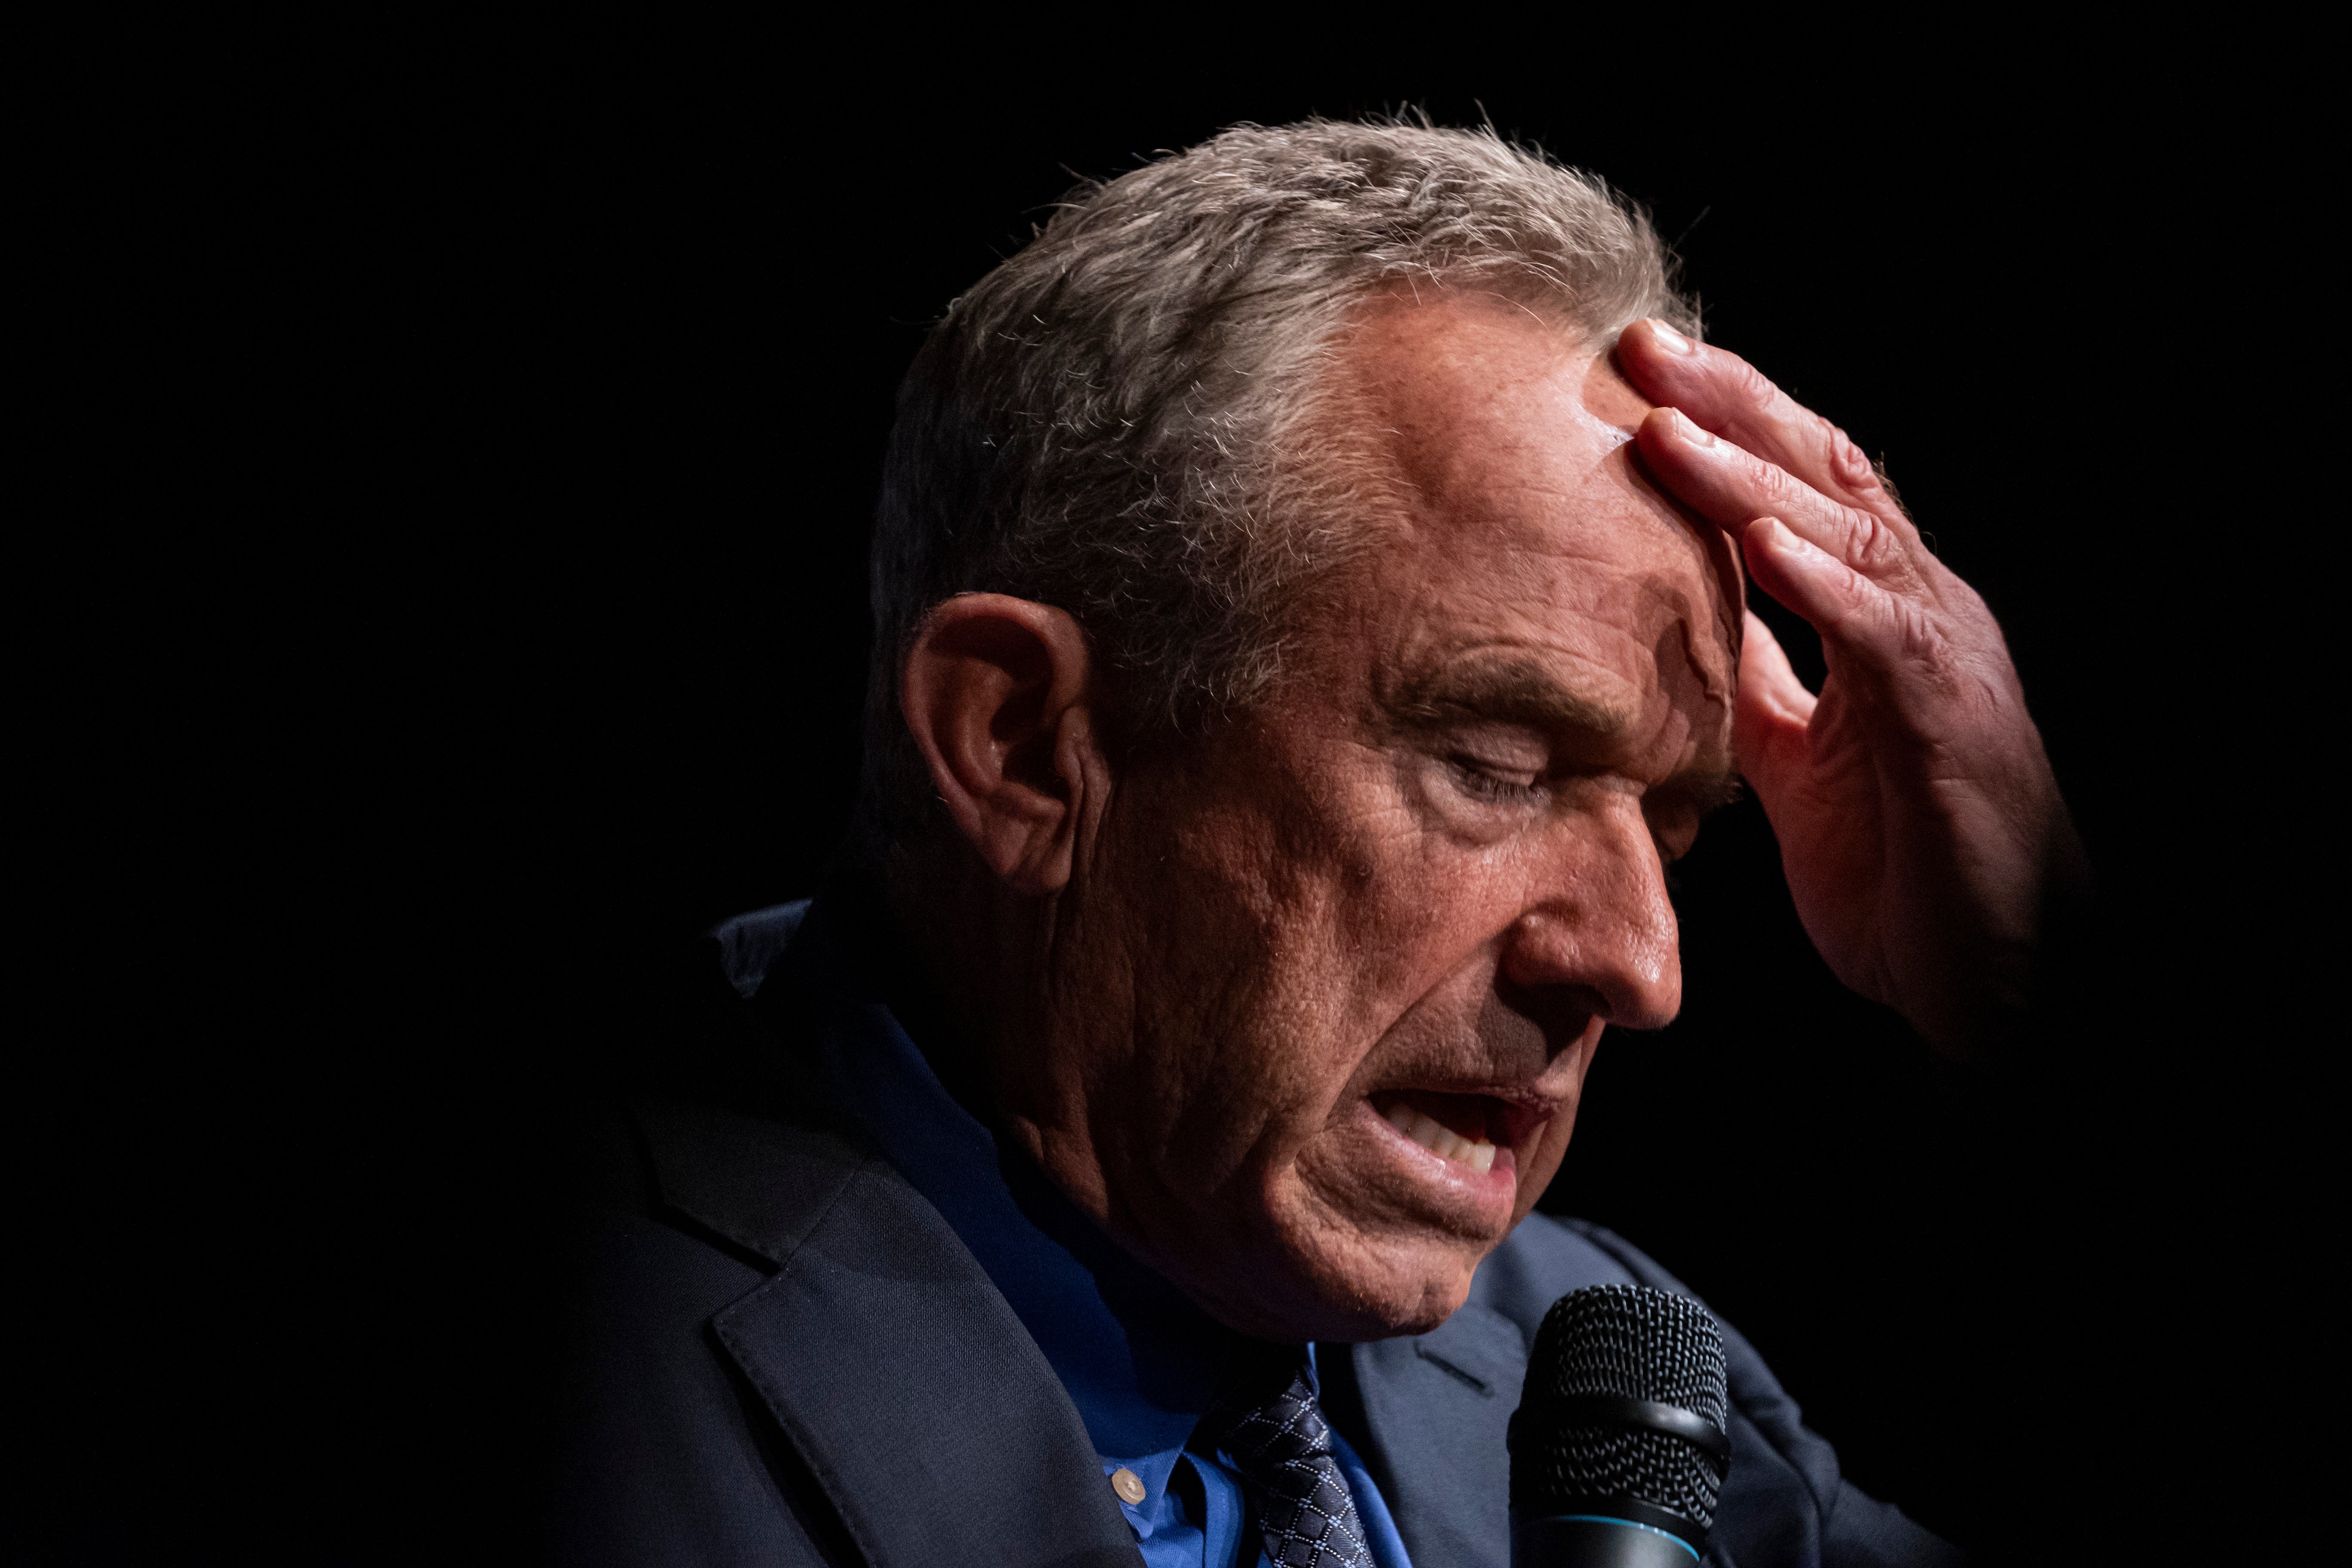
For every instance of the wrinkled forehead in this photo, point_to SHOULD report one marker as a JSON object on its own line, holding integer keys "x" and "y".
{"x": 1506, "y": 442}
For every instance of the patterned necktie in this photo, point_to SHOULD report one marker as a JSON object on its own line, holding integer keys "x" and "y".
{"x": 1282, "y": 1446}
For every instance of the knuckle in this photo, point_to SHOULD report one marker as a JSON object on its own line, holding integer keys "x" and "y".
{"x": 1896, "y": 629}
{"x": 1871, "y": 546}
{"x": 1773, "y": 485}
{"x": 1940, "y": 687}
{"x": 1922, "y": 643}
{"x": 1753, "y": 385}
{"x": 1948, "y": 693}
{"x": 1847, "y": 460}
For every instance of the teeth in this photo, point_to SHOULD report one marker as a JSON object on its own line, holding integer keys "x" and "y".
{"x": 1441, "y": 1139}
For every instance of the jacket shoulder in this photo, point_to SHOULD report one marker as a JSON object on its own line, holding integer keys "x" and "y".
{"x": 1437, "y": 1406}
{"x": 788, "y": 1354}
{"x": 667, "y": 1456}
{"x": 1545, "y": 1259}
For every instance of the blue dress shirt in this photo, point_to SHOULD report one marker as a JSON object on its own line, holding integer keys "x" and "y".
{"x": 1138, "y": 1360}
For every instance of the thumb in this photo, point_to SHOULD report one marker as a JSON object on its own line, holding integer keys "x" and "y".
{"x": 1767, "y": 724}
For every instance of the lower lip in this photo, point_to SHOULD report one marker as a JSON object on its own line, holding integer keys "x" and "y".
{"x": 1498, "y": 1184}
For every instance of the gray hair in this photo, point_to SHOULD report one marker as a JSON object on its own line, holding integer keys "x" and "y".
{"x": 1114, "y": 420}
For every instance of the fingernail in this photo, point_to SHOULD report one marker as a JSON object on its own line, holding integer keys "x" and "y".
{"x": 1690, "y": 432}
{"x": 1666, "y": 338}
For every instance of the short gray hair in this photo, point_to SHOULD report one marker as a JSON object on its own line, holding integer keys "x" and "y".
{"x": 1110, "y": 421}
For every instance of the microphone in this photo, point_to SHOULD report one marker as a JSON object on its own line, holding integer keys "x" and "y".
{"x": 1621, "y": 1440}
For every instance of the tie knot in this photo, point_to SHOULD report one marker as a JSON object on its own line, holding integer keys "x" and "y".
{"x": 1270, "y": 1425}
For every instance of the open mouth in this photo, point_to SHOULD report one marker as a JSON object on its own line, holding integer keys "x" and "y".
{"x": 1470, "y": 1129}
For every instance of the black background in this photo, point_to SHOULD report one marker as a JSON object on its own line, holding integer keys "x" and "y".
{"x": 451, "y": 595}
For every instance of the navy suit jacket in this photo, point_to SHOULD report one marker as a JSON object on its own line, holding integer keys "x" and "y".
{"x": 785, "y": 1355}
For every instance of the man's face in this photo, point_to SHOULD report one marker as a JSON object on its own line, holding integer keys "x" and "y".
{"x": 1365, "y": 939}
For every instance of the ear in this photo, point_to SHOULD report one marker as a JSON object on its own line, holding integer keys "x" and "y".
{"x": 994, "y": 691}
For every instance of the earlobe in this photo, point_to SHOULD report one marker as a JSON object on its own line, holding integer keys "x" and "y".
{"x": 994, "y": 692}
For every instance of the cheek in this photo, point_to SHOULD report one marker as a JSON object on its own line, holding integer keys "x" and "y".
{"x": 1316, "y": 941}
{"x": 1308, "y": 922}
{"x": 1253, "y": 959}
{"x": 1426, "y": 892}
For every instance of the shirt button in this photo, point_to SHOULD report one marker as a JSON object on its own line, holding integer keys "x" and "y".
{"x": 1124, "y": 1483}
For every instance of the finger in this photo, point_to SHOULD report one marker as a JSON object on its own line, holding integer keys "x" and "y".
{"x": 1769, "y": 721}
{"x": 1732, "y": 487}
{"x": 1725, "y": 394}
{"x": 1767, "y": 679}
{"x": 1888, "y": 633}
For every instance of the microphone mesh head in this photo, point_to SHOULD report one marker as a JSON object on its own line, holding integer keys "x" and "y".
{"x": 1636, "y": 1343}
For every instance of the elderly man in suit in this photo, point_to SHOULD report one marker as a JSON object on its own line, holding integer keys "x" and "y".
{"x": 1309, "y": 590}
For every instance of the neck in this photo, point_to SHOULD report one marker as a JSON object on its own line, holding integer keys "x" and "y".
{"x": 994, "y": 1009}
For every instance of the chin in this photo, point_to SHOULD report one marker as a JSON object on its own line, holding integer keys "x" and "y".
{"x": 1375, "y": 1287}
{"x": 1312, "y": 1270}
{"x": 1417, "y": 1296}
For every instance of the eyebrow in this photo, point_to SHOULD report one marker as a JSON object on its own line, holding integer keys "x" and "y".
{"x": 1512, "y": 692}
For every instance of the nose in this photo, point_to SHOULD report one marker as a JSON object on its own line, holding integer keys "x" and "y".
{"x": 1598, "y": 920}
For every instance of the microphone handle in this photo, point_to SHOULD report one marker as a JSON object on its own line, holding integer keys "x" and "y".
{"x": 1615, "y": 1532}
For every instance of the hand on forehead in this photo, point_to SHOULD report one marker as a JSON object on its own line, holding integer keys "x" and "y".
{"x": 1523, "y": 514}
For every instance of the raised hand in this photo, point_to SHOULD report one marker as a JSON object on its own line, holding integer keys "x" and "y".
{"x": 1921, "y": 830}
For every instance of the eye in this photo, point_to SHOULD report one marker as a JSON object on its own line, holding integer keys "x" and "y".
{"x": 1486, "y": 782}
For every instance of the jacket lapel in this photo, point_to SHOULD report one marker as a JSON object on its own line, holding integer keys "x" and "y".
{"x": 915, "y": 1396}
{"x": 1438, "y": 1408}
